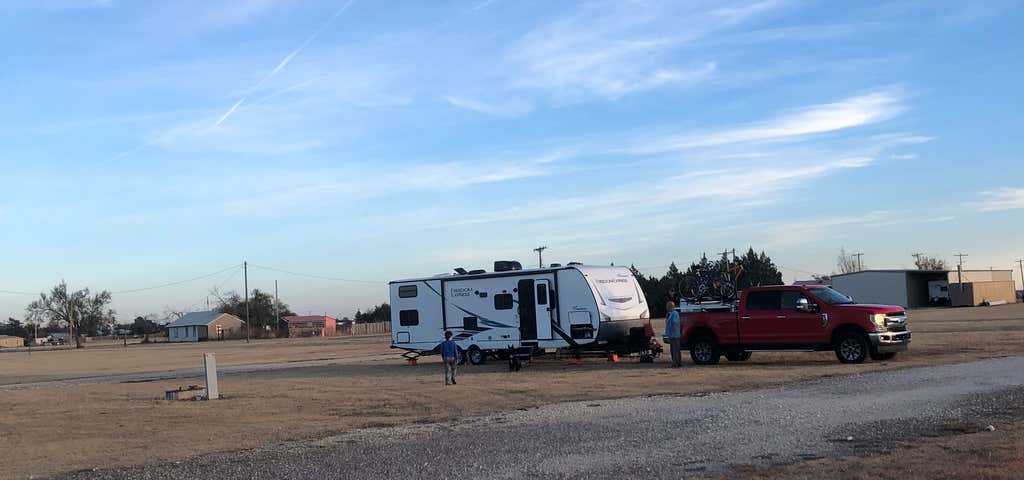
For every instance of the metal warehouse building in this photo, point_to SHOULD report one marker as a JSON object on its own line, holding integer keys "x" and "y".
{"x": 909, "y": 288}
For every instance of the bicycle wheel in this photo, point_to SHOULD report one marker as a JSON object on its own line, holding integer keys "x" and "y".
{"x": 727, "y": 292}
{"x": 690, "y": 288}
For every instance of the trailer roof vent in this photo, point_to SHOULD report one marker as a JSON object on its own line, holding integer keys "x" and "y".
{"x": 556, "y": 265}
{"x": 574, "y": 263}
{"x": 507, "y": 266}
{"x": 460, "y": 270}
{"x": 477, "y": 272}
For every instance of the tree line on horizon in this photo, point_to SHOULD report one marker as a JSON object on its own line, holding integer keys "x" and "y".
{"x": 758, "y": 269}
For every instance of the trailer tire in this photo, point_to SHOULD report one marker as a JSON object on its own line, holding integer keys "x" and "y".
{"x": 851, "y": 347}
{"x": 476, "y": 356}
{"x": 705, "y": 351}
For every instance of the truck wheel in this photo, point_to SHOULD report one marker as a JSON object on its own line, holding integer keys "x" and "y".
{"x": 851, "y": 347}
{"x": 881, "y": 357}
{"x": 476, "y": 356}
{"x": 737, "y": 356}
{"x": 704, "y": 351}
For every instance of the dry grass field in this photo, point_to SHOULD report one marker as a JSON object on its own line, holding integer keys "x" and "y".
{"x": 109, "y": 358}
{"x": 49, "y": 430}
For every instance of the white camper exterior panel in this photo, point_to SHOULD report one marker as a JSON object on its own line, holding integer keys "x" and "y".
{"x": 425, "y": 325}
{"x": 543, "y": 308}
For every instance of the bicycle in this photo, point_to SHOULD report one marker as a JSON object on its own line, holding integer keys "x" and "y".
{"x": 711, "y": 284}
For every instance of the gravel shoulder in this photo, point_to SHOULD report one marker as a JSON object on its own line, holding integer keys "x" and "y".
{"x": 657, "y": 437}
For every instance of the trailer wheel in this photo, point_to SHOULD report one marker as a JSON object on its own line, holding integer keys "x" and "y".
{"x": 705, "y": 351}
{"x": 476, "y": 356}
{"x": 851, "y": 347}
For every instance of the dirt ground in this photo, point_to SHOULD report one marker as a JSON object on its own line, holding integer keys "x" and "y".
{"x": 49, "y": 430}
{"x": 976, "y": 455}
{"x": 111, "y": 357}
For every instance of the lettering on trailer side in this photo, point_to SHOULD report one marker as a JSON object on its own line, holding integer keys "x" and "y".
{"x": 461, "y": 292}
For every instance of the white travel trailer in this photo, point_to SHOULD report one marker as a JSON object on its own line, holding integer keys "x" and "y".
{"x": 511, "y": 308}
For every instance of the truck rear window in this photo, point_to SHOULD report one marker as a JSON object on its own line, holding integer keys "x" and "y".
{"x": 764, "y": 300}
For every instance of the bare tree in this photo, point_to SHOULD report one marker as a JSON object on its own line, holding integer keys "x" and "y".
{"x": 847, "y": 263}
{"x": 77, "y": 309}
{"x": 173, "y": 313}
{"x": 924, "y": 262}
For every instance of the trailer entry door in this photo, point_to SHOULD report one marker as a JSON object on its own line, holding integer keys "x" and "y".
{"x": 542, "y": 292}
{"x": 528, "y": 311}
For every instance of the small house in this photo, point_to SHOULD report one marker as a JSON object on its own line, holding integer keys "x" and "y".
{"x": 202, "y": 326}
{"x": 10, "y": 341}
{"x": 310, "y": 326}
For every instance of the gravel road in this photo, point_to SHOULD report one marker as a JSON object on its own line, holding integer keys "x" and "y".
{"x": 651, "y": 437}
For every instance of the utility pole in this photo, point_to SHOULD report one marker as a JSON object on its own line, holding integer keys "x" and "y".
{"x": 248, "y": 327}
{"x": 71, "y": 321}
{"x": 860, "y": 264}
{"x": 959, "y": 268}
{"x": 1020, "y": 263}
{"x": 277, "y": 313}
{"x": 540, "y": 256}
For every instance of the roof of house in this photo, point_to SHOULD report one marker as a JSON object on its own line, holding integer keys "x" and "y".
{"x": 307, "y": 318}
{"x": 198, "y": 318}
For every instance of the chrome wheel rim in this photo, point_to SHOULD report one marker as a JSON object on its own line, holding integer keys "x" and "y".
{"x": 850, "y": 349}
{"x": 703, "y": 351}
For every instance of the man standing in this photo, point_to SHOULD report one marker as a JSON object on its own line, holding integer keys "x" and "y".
{"x": 450, "y": 356}
{"x": 673, "y": 330}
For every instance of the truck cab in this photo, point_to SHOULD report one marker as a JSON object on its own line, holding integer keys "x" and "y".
{"x": 797, "y": 318}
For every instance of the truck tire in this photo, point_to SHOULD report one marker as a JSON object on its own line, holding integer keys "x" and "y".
{"x": 476, "y": 356}
{"x": 737, "y": 356}
{"x": 851, "y": 347}
{"x": 881, "y": 357}
{"x": 705, "y": 351}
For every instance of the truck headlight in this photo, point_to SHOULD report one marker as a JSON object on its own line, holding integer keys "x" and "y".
{"x": 879, "y": 320}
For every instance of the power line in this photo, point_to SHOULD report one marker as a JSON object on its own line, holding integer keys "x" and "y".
{"x": 204, "y": 298}
{"x": 171, "y": 284}
{"x": 321, "y": 277}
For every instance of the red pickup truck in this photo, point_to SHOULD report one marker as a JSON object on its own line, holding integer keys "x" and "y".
{"x": 796, "y": 318}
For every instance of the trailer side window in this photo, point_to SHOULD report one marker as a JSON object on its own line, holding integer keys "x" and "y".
{"x": 542, "y": 294}
{"x": 503, "y": 301}
{"x": 407, "y": 291}
{"x": 409, "y": 318}
{"x": 764, "y": 301}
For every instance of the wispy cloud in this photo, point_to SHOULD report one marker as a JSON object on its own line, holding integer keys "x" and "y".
{"x": 613, "y": 49}
{"x": 1001, "y": 199}
{"x": 284, "y": 62}
{"x": 830, "y": 117}
{"x": 504, "y": 108}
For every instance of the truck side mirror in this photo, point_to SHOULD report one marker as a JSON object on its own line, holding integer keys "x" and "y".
{"x": 803, "y": 305}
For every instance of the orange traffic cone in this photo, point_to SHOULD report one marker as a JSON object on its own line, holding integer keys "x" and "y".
{"x": 613, "y": 357}
{"x": 411, "y": 362}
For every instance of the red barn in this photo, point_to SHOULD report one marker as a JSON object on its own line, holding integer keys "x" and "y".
{"x": 311, "y": 326}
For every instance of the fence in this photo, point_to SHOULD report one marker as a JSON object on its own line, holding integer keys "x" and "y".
{"x": 379, "y": 328}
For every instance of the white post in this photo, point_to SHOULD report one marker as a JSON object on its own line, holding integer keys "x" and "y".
{"x": 210, "y": 362}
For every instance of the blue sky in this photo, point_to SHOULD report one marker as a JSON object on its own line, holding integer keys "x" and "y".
{"x": 143, "y": 143}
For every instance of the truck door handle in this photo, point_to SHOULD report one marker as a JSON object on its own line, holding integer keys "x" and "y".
{"x": 780, "y": 317}
{"x": 745, "y": 317}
